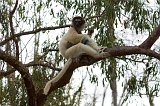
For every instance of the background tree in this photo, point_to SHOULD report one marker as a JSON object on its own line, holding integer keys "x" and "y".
{"x": 25, "y": 69}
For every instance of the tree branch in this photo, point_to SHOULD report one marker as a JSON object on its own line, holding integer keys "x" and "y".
{"x": 15, "y": 7}
{"x": 42, "y": 64}
{"x": 39, "y": 29}
{"x": 32, "y": 32}
{"x": 111, "y": 52}
{"x": 87, "y": 60}
{"x": 6, "y": 73}
{"x": 147, "y": 44}
{"x": 24, "y": 73}
{"x": 128, "y": 50}
{"x": 11, "y": 13}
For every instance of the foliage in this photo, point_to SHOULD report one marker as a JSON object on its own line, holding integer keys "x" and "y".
{"x": 140, "y": 73}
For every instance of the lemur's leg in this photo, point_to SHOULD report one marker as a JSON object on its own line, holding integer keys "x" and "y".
{"x": 79, "y": 49}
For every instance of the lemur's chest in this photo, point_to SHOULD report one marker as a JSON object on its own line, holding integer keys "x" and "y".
{"x": 73, "y": 38}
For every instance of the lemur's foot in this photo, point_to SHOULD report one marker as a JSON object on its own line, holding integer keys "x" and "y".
{"x": 102, "y": 53}
{"x": 101, "y": 50}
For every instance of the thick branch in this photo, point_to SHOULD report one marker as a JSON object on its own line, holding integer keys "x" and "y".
{"x": 24, "y": 73}
{"x": 113, "y": 52}
{"x": 66, "y": 77}
{"x": 87, "y": 60}
{"x": 128, "y": 50}
{"x": 147, "y": 44}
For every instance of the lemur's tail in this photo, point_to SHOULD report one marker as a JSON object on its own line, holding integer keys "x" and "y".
{"x": 56, "y": 78}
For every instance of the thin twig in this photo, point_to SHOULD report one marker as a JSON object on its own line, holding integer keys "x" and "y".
{"x": 42, "y": 64}
{"x": 6, "y": 73}
{"x": 32, "y": 32}
{"x": 39, "y": 30}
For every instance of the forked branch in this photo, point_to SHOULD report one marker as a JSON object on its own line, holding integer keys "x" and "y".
{"x": 113, "y": 52}
{"x": 147, "y": 44}
{"x": 24, "y": 73}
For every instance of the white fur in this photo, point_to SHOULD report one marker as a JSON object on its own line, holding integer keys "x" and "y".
{"x": 55, "y": 79}
{"x": 77, "y": 49}
{"x": 72, "y": 36}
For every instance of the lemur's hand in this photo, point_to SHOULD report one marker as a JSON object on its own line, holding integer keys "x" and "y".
{"x": 90, "y": 31}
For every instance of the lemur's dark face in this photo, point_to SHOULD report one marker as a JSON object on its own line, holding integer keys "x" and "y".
{"x": 78, "y": 21}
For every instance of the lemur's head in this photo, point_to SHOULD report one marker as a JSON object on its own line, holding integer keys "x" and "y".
{"x": 78, "y": 23}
